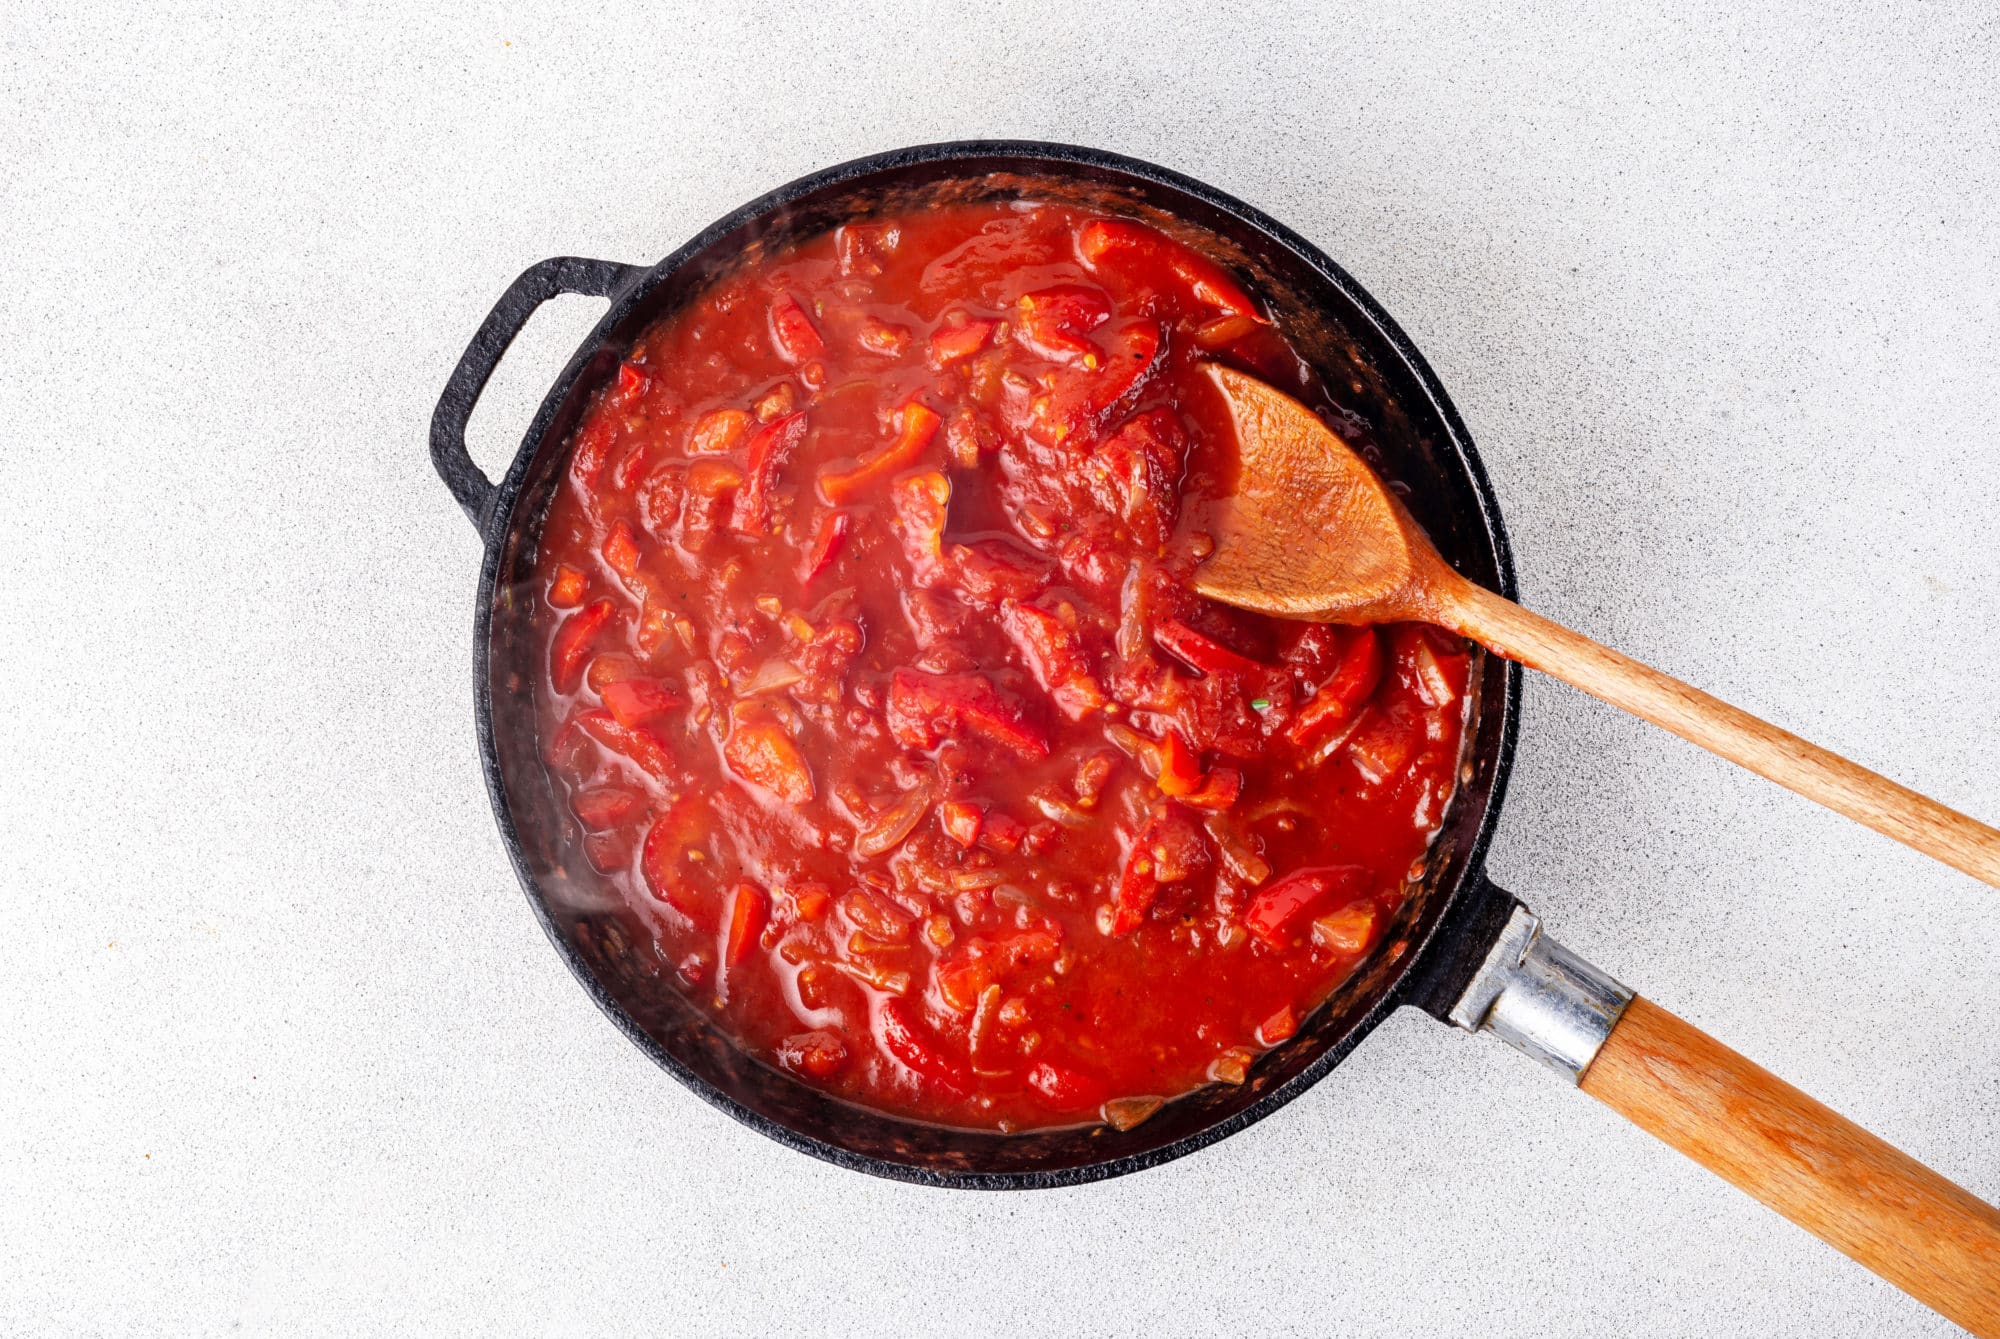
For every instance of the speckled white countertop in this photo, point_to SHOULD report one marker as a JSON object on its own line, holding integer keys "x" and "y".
{"x": 283, "y": 1051}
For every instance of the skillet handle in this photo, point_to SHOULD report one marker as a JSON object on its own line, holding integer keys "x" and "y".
{"x": 537, "y": 284}
{"x": 1871, "y": 1202}
{"x": 1876, "y": 1205}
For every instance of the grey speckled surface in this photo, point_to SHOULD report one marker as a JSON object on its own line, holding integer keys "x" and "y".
{"x": 283, "y": 1051}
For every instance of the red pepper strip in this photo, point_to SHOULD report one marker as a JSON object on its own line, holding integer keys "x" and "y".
{"x": 792, "y": 332}
{"x": 1137, "y": 891}
{"x": 1204, "y": 653}
{"x": 914, "y": 1049}
{"x": 748, "y": 910}
{"x": 827, "y": 543}
{"x": 572, "y": 644}
{"x": 918, "y": 423}
{"x": 1217, "y": 791}
{"x": 1277, "y": 908}
{"x": 641, "y": 746}
{"x": 774, "y": 441}
{"x": 1353, "y": 679}
{"x": 1180, "y": 770}
{"x": 1103, "y": 239}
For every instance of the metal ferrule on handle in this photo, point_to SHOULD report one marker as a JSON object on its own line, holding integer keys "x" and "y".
{"x": 1541, "y": 999}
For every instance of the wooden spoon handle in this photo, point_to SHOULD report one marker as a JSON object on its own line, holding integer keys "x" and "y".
{"x": 1844, "y": 787}
{"x": 1873, "y": 1203}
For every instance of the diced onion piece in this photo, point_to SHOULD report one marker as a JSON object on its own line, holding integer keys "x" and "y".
{"x": 1432, "y": 684}
{"x": 1223, "y": 331}
{"x": 1237, "y": 852}
{"x": 1135, "y": 746}
{"x": 894, "y": 823}
{"x": 772, "y": 676}
{"x": 1349, "y": 930}
{"x": 1122, "y": 1113}
{"x": 871, "y": 974}
{"x": 1057, "y": 809}
{"x": 1232, "y": 1066}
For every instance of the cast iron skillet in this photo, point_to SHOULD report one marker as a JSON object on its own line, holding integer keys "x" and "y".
{"x": 1445, "y": 930}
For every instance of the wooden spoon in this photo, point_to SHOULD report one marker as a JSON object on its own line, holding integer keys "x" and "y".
{"x": 1313, "y": 534}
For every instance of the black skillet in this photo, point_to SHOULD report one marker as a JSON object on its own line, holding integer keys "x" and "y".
{"x": 1448, "y": 931}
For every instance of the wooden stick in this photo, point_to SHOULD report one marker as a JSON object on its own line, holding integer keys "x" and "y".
{"x": 1847, "y": 788}
{"x": 1874, "y": 1204}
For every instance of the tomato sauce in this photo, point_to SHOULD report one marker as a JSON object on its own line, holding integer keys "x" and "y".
{"x": 879, "y": 693}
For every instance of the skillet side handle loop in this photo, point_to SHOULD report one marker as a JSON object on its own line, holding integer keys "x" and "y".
{"x": 537, "y": 284}
{"x": 1876, "y": 1205}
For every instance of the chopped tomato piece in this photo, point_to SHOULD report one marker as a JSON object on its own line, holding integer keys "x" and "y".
{"x": 1052, "y": 322}
{"x": 1136, "y": 474}
{"x": 567, "y": 587}
{"x": 926, "y": 709}
{"x": 1055, "y": 655}
{"x": 572, "y": 642}
{"x": 774, "y": 442}
{"x": 1353, "y": 679}
{"x": 916, "y": 1048}
{"x": 992, "y": 570}
{"x": 1077, "y": 400}
{"x": 792, "y": 332}
{"x": 954, "y": 344}
{"x": 816, "y": 1055}
{"x": 1280, "y": 1026}
{"x": 609, "y": 668}
{"x": 961, "y": 822}
{"x": 917, "y": 424}
{"x": 921, "y": 501}
{"x": 1382, "y": 747}
{"x": 749, "y": 908}
{"x": 594, "y": 445}
{"x": 602, "y": 807}
{"x": 1002, "y": 832}
{"x": 1202, "y": 652}
{"x": 1278, "y": 910}
{"x": 1066, "y": 1088}
{"x": 719, "y": 431}
{"x": 621, "y": 550}
{"x": 762, "y": 753}
{"x": 639, "y": 745}
{"x": 632, "y": 383}
{"x": 671, "y": 837}
{"x": 961, "y": 980}
{"x": 637, "y": 701}
{"x": 1120, "y": 242}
